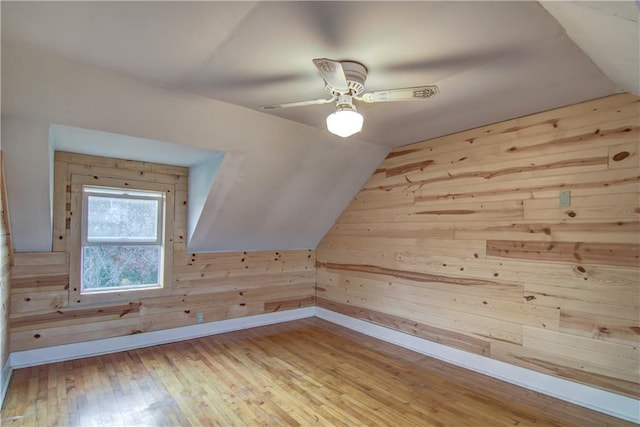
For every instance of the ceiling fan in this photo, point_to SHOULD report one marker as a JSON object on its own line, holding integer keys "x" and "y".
{"x": 344, "y": 80}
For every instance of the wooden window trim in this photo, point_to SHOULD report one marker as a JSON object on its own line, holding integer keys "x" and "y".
{"x": 77, "y": 183}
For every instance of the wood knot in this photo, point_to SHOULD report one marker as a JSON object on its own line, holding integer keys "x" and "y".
{"x": 621, "y": 156}
{"x": 529, "y": 297}
{"x": 572, "y": 214}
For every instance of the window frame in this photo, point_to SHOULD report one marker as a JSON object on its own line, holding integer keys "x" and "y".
{"x": 78, "y": 230}
{"x": 127, "y": 194}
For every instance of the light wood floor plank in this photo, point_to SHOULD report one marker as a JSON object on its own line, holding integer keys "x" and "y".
{"x": 302, "y": 373}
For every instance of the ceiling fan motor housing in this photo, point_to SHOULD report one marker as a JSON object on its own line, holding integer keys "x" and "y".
{"x": 355, "y": 74}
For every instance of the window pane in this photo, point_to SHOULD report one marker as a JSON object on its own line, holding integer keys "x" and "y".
{"x": 109, "y": 267}
{"x": 121, "y": 219}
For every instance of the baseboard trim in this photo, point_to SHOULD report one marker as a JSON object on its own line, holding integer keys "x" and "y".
{"x": 589, "y": 397}
{"x": 59, "y": 353}
{"x": 5, "y": 376}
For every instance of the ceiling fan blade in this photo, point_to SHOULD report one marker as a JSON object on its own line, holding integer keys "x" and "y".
{"x": 402, "y": 94}
{"x": 298, "y": 104}
{"x": 332, "y": 73}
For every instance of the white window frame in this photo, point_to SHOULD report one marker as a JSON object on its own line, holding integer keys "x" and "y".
{"x": 117, "y": 193}
{"x": 78, "y": 237}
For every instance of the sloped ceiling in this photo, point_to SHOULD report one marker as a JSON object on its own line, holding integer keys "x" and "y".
{"x": 195, "y": 74}
{"x": 608, "y": 32}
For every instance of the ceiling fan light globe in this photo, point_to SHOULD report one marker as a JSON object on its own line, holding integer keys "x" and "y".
{"x": 345, "y": 123}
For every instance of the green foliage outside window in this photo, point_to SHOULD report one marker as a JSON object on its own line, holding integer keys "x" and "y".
{"x": 112, "y": 266}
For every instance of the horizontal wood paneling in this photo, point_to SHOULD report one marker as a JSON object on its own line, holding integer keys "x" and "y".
{"x": 218, "y": 285}
{"x": 461, "y": 240}
{"x": 5, "y": 271}
{"x": 586, "y": 253}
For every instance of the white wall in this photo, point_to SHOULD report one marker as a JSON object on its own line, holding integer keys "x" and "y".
{"x": 201, "y": 180}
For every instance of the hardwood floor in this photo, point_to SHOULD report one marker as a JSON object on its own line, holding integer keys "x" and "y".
{"x": 303, "y": 373}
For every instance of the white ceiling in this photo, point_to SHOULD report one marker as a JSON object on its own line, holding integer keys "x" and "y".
{"x": 85, "y": 141}
{"x": 487, "y": 57}
{"x": 608, "y": 32}
{"x": 491, "y": 60}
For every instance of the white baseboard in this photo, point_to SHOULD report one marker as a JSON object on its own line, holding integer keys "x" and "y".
{"x": 5, "y": 376}
{"x": 40, "y": 356}
{"x": 599, "y": 400}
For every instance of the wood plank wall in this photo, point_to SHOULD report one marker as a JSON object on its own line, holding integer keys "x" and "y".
{"x": 5, "y": 269}
{"x": 461, "y": 240}
{"x": 218, "y": 285}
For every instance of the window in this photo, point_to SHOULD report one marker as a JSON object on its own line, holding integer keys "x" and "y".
{"x": 122, "y": 239}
